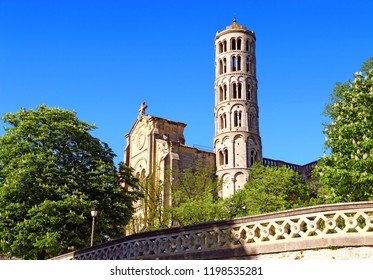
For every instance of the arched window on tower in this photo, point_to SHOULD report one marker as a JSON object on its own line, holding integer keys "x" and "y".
{"x": 238, "y": 63}
{"x": 223, "y": 92}
{"x": 223, "y": 121}
{"x": 233, "y": 44}
{"x": 225, "y": 152}
{"x": 223, "y": 157}
{"x": 237, "y": 90}
{"x": 221, "y": 67}
{"x": 237, "y": 118}
{"x": 251, "y": 66}
{"x": 251, "y": 121}
{"x": 220, "y": 47}
{"x": 239, "y": 44}
{"x": 224, "y": 65}
{"x": 247, "y": 65}
{"x": 249, "y": 96}
{"x": 247, "y": 46}
{"x": 224, "y": 46}
{"x": 253, "y": 157}
{"x": 234, "y": 63}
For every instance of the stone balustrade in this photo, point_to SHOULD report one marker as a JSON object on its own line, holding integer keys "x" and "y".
{"x": 323, "y": 226}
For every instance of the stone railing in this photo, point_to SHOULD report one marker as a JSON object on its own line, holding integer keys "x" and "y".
{"x": 304, "y": 170}
{"x": 324, "y": 226}
{"x": 298, "y": 168}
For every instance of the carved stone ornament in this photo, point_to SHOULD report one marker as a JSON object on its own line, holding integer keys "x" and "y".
{"x": 140, "y": 140}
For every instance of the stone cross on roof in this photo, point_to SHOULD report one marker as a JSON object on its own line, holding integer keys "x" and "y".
{"x": 142, "y": 109}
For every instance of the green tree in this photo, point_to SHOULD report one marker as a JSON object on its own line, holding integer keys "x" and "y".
{"x": 347, "y": 173}
{"x": 269, "y": 189}
{"x": 205, "y": 208}
{"x": 153, "y": 216}
{"x": 52, "y": 172}
{"x": 195, "y": 196}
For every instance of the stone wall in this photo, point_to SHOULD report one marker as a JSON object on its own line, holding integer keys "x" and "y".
{"x": 305, "y": 233}
{"x": 347, "y": 253}
{"x": 190, "y": 156}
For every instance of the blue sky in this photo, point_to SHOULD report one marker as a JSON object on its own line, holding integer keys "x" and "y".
{"x": 103, "y": 58}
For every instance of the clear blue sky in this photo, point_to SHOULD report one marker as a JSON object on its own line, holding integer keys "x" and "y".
{"x": 103, "y": 58}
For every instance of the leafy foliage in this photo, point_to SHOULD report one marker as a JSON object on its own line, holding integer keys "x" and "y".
{"x": 269, "y": 189}
{"x": 195, "y": 196}
{"x": 151, "y": 203}
{"x": 347, "y": 173}
{"x": 52, "y": 172}
{"x": 194, "y": 199}
{"x": 198, "y": 210}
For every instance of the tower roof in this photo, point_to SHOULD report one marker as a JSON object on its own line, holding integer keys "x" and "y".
{"x": 235, "y": 25}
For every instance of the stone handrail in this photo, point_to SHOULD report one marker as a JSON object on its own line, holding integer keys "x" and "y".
{"x": 295, "y": 167}
{"x": 323, "y": 226}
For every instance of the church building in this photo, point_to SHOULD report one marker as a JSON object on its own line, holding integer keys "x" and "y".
{"x": 155, "y": 145}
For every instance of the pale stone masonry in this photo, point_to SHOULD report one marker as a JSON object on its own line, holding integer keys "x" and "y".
{"x": 237, "y": 142}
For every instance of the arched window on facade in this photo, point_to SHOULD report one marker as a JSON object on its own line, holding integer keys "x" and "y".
{"x": 238, "y": 43}
{"x": 142, "y": 176}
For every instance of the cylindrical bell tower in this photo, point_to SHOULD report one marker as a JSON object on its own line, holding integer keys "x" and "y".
{"x": 237, "y": 142}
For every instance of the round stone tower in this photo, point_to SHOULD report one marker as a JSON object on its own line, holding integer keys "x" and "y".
{"x": 237, "y": 142}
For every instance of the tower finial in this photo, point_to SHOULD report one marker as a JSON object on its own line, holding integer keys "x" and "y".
{"x": 234, "y": 19}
